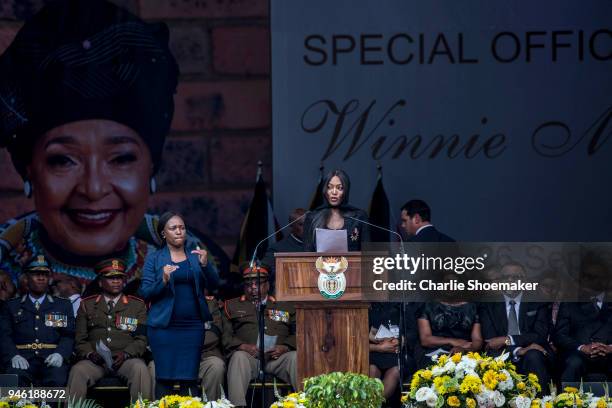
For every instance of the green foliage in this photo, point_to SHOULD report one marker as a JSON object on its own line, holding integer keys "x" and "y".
{"x": 83, "y": 403}
{"x": 347, "y": 390}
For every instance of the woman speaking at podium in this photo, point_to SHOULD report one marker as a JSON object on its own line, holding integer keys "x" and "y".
{"x": 336, "y": 215}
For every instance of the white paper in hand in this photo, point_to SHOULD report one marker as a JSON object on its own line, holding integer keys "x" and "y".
{"x": 383, "y": 333}
{"x": 437, "y": 352}
{"x": 105, "y": 352}
{"x": 331, "y": 240}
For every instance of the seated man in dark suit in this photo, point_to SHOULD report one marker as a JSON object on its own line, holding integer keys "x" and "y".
{"x": 518, "y": 326}
{"x": 583, "y": 332}
{"x": 416, "y": 221}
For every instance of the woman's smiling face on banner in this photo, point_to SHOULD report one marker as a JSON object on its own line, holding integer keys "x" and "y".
{"x": 90, "y": 182}
{"x": 335, "y": 191}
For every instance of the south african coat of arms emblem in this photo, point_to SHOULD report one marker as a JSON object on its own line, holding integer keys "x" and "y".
{"x": 332, "y": 282}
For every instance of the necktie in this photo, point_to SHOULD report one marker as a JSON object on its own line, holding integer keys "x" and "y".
{"x": 37, "y": 305}
{"x": 110, "y": 305}
{"x": 513, "y": 327}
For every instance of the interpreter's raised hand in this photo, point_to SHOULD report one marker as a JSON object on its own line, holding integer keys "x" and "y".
{"x": 168, "y": 270}
{"x": 202, "y": 255}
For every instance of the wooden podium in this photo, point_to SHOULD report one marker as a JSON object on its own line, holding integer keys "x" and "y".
{"x": 332, "y": 334}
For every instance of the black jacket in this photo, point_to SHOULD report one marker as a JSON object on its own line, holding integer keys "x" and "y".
{"x": 582, "y": 323}
{"x": 430, "y": 234}
{"x": 357, "y": 232}
{"x": 533, "y": 322}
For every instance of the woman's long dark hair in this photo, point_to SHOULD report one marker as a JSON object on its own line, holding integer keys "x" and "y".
{"x": 163, "y": 220}
{"x": 321, "y": 216}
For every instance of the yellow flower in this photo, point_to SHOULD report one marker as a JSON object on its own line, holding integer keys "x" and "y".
{"x": 535, "y": 403}
{"x": 439, "y": 385}
{"x": 521, "y": 386}
{"x": 548, "y": 405}
{"x": 470, "y": 403}
{"x": 443, "y": 359}
{"x": 456, "y": 358}
{"x": 489, "y": 379}
{"x": 453, "y": 401}
{"x": 572, "y": 390}
{"x": 470, "y": 383}
{"x": 426, "y": 374}
{"x": 414, "y": 384}
{"x": 601, "y": 403}
{"x": 405, "y": 397}
{"x": 474, "y": 355}
{"x": 4, "y": 404}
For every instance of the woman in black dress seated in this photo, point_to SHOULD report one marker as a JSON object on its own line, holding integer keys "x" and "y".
{"x": 448, "y": 327}
{"x": 334, "y": 214}
{"x": 384, "y": 351}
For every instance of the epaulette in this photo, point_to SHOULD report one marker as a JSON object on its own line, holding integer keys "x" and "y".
{"x": 227, "y": 302}
{"x": 83, "y": 301}
{"x": 135, "y": 298}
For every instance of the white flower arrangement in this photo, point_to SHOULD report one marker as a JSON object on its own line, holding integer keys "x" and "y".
{"x": 471, "y": 380}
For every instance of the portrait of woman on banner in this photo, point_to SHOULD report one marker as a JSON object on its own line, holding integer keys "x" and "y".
{"x": 86, "y": 102}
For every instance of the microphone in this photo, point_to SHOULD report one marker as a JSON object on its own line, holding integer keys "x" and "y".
{"x": 382, "y": 228}
{"x": 270, "y": 236}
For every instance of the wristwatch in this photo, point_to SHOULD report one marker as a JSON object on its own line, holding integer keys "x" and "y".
{"x": 508, "y": 342}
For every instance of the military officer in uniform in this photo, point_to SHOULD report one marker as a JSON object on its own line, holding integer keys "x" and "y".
{"x": 42, "y": 331}
{"x": 212, "y": 363}
{"x": 240, "y": 336}
{"x": 119, "y": 322}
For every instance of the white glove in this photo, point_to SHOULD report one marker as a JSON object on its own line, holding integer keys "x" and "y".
{"x": 54, "y": 360}
{"x": 19, "y": 362}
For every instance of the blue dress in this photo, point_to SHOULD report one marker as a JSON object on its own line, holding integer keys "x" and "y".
{"x": 177, "y": 348}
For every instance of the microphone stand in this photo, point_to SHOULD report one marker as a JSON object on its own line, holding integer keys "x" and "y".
{"x": 262, "y": 335}
{"x": 260, "y": 309}
{"x": 402, "y": 327}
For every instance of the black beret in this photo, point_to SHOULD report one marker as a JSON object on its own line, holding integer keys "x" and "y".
{"x": 78, "y": 60}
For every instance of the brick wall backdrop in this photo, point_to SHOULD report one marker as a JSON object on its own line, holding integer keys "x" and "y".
{"x": 222, "y": 125}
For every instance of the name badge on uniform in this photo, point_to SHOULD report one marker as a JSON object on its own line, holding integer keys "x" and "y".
{"x": 56, "y": 320}
{"x": 278, "y": 315}
{"x": 126, "y": 323}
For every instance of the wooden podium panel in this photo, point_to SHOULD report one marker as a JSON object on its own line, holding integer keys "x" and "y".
{"x": 333, "y": 337}
{"x": 332, "y": 334}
